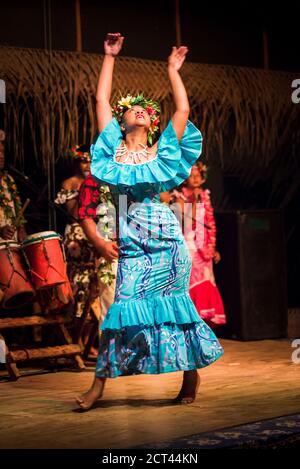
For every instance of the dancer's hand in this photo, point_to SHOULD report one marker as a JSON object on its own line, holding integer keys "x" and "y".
{"x": 110, "y": 250}
{"x": 113, "y": 44}
{"x": 177, "y": 57}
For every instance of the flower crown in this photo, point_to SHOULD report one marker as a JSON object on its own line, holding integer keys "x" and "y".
{"x": 152, "y": 108}
{"x": 203, "y": 169}
{"x": 79, "y": 155}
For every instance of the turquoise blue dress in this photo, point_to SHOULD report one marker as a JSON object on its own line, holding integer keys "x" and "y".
{"x": 152, "y": 326}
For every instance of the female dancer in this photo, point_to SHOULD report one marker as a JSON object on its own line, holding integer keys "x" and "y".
{"x": 200, "y": 237}
{"x": 153, "y": 326}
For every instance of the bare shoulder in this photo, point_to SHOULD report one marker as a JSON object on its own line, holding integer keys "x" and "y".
{"x": 72, "y": 183}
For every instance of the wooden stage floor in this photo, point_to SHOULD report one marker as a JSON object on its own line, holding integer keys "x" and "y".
{"x": 251, "y": 382}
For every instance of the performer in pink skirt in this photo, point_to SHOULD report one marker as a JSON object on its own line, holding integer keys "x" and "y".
{"x": 203, "y": 289}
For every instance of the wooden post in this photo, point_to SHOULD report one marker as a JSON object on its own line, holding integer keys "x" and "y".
{"x": 78, "y": 26}
{"x": 266, "y": 49}
{"x": 177, "y": 23}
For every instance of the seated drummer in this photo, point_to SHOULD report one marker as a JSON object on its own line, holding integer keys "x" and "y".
{"x": 11, "y": 216}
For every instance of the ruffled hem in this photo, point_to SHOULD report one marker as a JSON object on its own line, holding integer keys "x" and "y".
{"x": 170, "y": 167}
{"x": 191, "y": 148}
{"x": 157, "y": 349}
{"x": 175, "y": 309}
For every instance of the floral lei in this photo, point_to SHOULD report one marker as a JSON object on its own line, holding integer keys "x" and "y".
{"x": 5, "y": 202}
{"x": 105, "y": 272}
{"x": 152, "y": 108}
{"x": 203, "y": 168}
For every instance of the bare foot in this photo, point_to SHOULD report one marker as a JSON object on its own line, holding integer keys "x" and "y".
{"x": 87, "y": 400}
{"x": 189, "y": 388}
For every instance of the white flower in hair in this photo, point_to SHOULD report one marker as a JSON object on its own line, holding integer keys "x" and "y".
{"x": 126, "y": 101}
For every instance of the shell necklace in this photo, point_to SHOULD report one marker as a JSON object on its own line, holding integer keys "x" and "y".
{"x": 133, "y": 157}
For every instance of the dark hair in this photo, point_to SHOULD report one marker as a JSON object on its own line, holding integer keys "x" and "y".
{"x": 84, "y": 148}
{"x": 120, "y": 123}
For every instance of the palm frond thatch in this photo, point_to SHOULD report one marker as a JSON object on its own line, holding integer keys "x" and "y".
{"x": 241, "y": 111}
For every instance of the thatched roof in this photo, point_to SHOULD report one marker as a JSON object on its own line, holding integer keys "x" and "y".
{"x": 241, "y": 111}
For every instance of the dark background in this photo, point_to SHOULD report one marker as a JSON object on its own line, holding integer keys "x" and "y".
{"x": 224, "y": 33}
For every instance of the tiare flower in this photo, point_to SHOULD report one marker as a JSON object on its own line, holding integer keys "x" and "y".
{"x": 126, "y": 102}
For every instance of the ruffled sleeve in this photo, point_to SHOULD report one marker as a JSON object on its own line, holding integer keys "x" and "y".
{"x": 190, "y": 148}
{"x": 171, "y": 165}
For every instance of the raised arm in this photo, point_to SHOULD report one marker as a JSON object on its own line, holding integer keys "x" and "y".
{"x": 112, "y": 46}
{"x": 182, "y": 108}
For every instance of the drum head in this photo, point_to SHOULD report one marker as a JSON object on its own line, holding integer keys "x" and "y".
{"x": 9, "y": 243}
{"x": 41, "y": 236}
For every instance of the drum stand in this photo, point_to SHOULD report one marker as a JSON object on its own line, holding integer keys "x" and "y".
{"x": 68, "y": 349}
